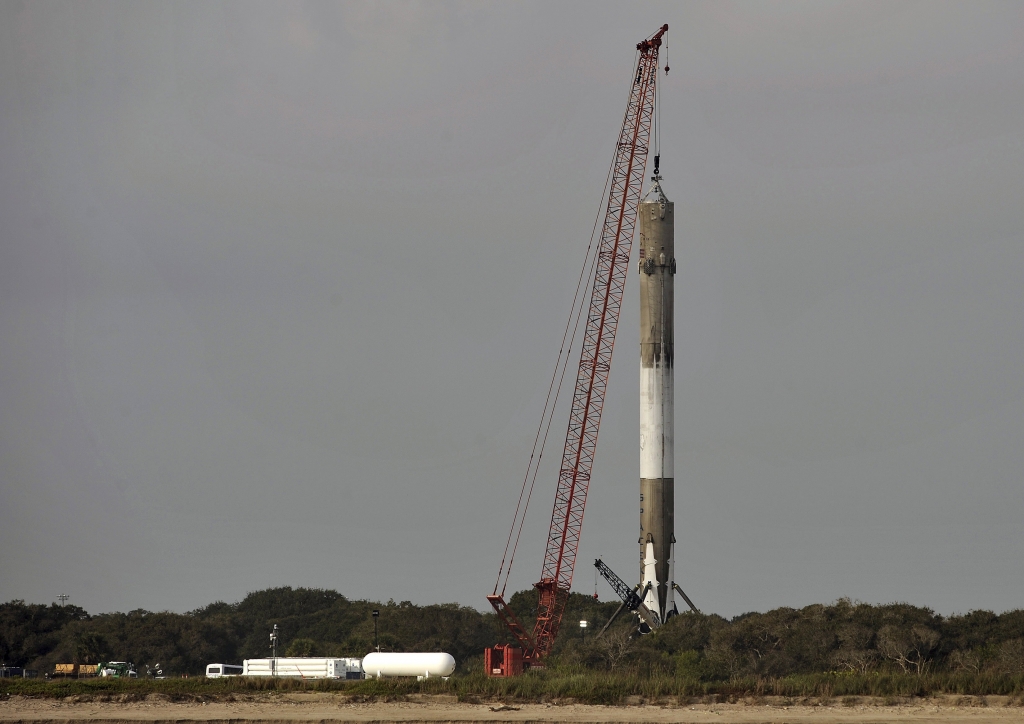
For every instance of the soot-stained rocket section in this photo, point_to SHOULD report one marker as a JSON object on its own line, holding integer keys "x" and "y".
{"x": 657, "y": 267}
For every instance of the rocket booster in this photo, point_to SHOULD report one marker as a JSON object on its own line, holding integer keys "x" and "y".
{"x": 657, "y": 267}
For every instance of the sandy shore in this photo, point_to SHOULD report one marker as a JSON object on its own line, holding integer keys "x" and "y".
{"x": 329, "y": 708}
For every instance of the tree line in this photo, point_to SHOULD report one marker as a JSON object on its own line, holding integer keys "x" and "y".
{"x": 844, "y": 636}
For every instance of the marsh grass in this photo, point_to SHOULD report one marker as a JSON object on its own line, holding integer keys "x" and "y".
{"x": 556, "y": 686}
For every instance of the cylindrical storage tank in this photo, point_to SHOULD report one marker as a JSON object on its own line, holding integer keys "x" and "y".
{"x": 424, "y": 665}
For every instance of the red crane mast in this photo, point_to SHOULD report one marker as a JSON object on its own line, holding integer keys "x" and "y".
{"x": 608, "y": 286}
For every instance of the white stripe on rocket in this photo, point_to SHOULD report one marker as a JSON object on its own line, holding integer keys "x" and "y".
{"x": 656, "y": 423}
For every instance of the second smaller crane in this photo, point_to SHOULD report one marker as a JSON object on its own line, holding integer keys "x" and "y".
{"x": 632, "y": 600}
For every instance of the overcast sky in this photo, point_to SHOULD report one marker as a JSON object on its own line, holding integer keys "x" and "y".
{"x": 281, "y": 286}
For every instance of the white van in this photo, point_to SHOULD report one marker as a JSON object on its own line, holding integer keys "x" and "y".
{"x": 215, "y": 671}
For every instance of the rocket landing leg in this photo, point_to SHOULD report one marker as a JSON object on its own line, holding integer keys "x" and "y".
{"x": 670, "y": 599}
{"x": 650, "y": 583}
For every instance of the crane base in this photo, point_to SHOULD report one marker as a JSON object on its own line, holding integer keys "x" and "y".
{"x": 503, "y": 660}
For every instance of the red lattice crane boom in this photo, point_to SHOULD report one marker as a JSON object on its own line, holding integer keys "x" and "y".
{"x": 602, "y": 319}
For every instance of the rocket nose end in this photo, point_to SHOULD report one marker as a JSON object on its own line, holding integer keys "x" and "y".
{"x": 655, "y": 194}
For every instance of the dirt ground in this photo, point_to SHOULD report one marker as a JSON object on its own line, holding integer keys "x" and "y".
{"x": 329, "y": 709}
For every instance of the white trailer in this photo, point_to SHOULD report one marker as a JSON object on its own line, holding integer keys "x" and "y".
{"x": 304, "y": 668}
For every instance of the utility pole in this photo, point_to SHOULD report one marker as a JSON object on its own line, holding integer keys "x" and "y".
{"x": 273, "y": 647}
{"x": 376, "y": 642}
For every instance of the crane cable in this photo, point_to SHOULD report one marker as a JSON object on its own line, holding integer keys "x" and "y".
{"x": 550, "y": 403}
{"x": 564, "y": 362}
{"x": 547, "y": 430}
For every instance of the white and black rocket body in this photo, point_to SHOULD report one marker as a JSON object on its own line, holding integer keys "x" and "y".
{"x": 657, "y": 266}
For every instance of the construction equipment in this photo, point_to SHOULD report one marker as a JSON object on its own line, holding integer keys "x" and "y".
{"x": 117, "y": 669}
{"x": 631, "y": 600}
{"x": 606, "y": 290}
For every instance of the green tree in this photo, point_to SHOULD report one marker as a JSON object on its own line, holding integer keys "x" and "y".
{"x": 910, "y": 648}
{"x": 89, "y": 648}
{"x": 301, "y": 648}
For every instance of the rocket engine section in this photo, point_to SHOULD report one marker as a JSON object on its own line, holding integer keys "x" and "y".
{"x": 657, "y": 267}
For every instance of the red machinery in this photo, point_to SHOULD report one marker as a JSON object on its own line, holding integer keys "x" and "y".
{"x": 608, "y": 285}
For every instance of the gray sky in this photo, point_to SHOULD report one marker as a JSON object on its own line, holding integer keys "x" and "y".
{"x": 281, "y": 286}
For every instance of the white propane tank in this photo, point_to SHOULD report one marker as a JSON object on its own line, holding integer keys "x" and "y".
{"x": 420, "y": 665}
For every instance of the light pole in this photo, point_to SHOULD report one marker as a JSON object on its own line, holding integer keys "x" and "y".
{"x": 583, "y": 630}
{"x": 63, "y": 598}
{"x": 376, "y": 643}
{"x": 273, "y": 647}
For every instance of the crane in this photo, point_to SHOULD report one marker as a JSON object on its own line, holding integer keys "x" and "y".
{"x": 631, "y": 600}
{"x": 606, "y": 290}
